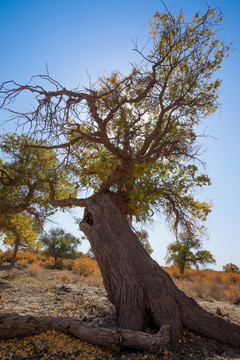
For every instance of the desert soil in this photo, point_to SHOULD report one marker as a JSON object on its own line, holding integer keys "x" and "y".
{"x": 28, "y": 295}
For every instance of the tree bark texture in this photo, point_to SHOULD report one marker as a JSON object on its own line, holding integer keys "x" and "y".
{"x": 143, "y": 293}
{"x": 14, "y": 325}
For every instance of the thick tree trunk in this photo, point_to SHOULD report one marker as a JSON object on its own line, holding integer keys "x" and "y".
{"x": 13, "y": 260}
{"x": 143, "y": 293}
{"x": 14, "y": 325}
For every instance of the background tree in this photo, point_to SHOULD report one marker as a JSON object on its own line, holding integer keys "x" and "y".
{"x": 187, "y": 252}
{"x": 143, "y": 237}
{"x": 231, "y": 268}
{"x": 132, "y": 142}
{"x": 18, "y": 230}
{"x": 25, "y": 174}
{"x": 60, "y": 244}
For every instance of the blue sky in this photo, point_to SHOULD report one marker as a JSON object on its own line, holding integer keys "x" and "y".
{"x": 76, "y": 38}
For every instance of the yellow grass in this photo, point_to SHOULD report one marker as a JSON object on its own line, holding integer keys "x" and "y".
{"x": 203, "y": 284}
{"x": 208, "y": 285}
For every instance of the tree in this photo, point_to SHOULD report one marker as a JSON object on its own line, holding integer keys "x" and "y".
{"x": 24, "y": 189}
{"x": 143, "y": 238}
{"x": 132, "y": 141}
{"x": 58, "y": 243}
{"x": 18, "y": 231}
{"x": 231, "y": 268}
{"x": 181, "y": 253}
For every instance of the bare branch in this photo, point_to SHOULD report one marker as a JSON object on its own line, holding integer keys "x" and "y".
{"x": 69, "y": 202}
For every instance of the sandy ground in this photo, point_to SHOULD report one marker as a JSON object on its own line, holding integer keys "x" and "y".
{"x": 28, "y": 295}
{"x": 78, "y": 301}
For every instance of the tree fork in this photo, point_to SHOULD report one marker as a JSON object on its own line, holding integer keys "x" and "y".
{"x": 143, "y": 293}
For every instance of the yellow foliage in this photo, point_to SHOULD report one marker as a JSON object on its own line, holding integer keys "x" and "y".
{"x": 86, "y": 266}
{"x": 56, "y": 343}
{"x": 22, "y": 256}
{"x": 18, "y": 227}
{"x": 233, "y": 294}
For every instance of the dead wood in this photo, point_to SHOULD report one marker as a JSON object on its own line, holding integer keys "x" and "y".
{"x": 14, "y": 326}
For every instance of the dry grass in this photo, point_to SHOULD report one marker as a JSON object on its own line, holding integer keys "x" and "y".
{"x": 94, "y": 280}
{"x": 202, "y": 284}
{"x": 45, "y": 269}
{"x": 233, "y": 293}
{"x": 35, "y": 270}
{"x": 208, "y": 285}
{"x": 83, "y": 266}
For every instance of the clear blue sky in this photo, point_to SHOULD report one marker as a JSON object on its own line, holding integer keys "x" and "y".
{"x": 74, "y": 35}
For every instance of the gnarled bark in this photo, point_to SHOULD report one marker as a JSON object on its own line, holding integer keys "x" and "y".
{"x": 14, "y": 325}
{"x": 143, "y": 293}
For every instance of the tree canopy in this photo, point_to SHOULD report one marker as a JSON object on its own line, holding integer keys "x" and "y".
{"x": 58, "y": 243}
{"x": 25, "y": 175}
{"x": 136, "y": 135}
{"x": 231, "y": 268}
{"x": 187, "y": 252}
{"x": 131, "y": 142}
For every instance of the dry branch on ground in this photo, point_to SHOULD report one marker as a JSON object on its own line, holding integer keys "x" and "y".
{"x": 14, "y": 325}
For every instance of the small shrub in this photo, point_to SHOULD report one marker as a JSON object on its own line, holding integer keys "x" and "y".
{"x": 176, "y": 274}
{"x": 233, "y": 294}
{"x": 214, "y": 290}
{"x": 22, "y": 256}
{"x": 96, "y": 281}
{"x": 10, "y": 274}
{"x": 173, "y": 272}
{"x": 36, "y": 271}
{"x": 65, "y": 277}
{"x": 8, "y": 255}
{"x": 86, "y": 267}
{"x": 25, "y": 262}
{"x": 67, "y": 264}
{"x": 198, "y": 289}
{"x": 75, "y": 278}
{"x": 49, "y": 263}
{"x": 234, "y": 277}
{"x": 188, "y": 275}
{"x": 58, "y": 264}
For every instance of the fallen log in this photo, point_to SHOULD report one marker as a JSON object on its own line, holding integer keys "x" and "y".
{"x": 14, "y": 326}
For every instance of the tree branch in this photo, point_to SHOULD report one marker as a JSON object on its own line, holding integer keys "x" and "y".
{"x": 64, "y": 202}
{"x": 14, "y": 325}
{"x": 69, "y": 202}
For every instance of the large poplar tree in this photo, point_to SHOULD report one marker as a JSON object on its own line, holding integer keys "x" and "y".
{"x": 132, "y": 143}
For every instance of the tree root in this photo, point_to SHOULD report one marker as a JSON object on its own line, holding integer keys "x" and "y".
{"x": 14, "y": 325}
